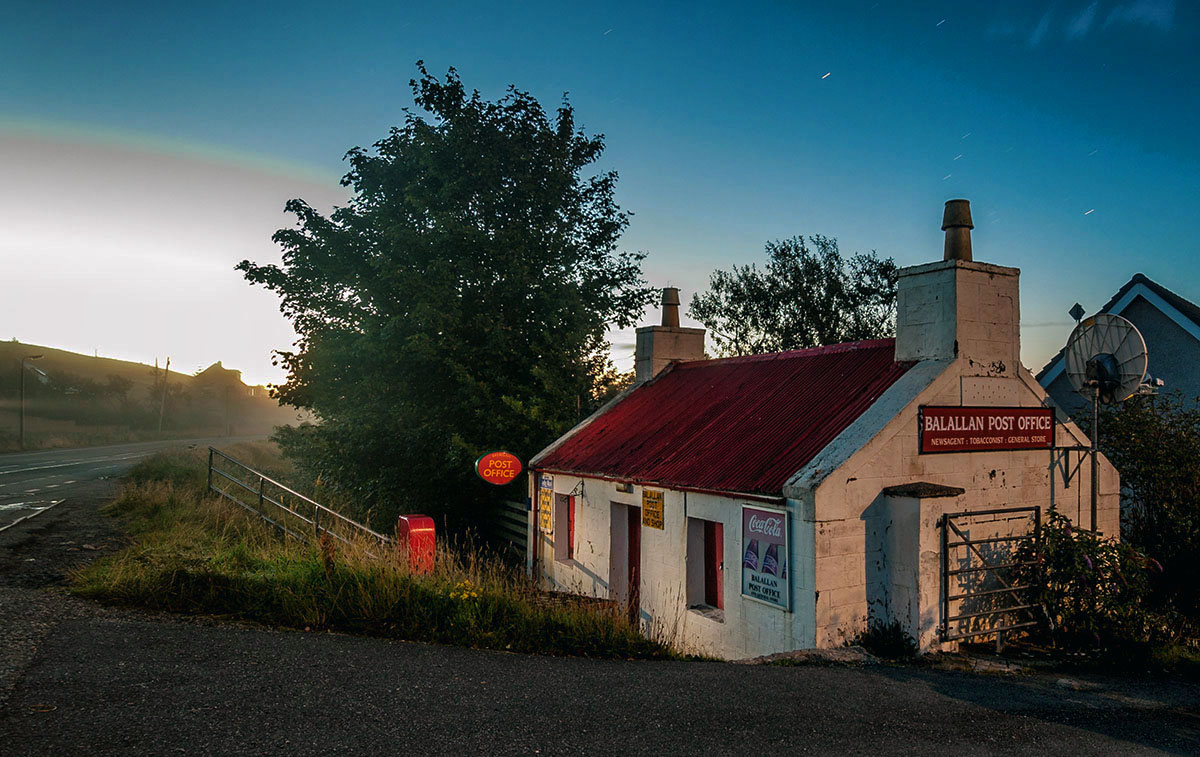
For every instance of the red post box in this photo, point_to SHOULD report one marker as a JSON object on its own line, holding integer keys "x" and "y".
{"x": 415, "y": 537}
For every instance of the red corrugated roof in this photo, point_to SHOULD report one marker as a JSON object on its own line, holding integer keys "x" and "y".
{"x": 743, "y": 424}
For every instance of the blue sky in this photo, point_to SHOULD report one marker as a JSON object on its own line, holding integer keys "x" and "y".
{"x": 147, "y": 148}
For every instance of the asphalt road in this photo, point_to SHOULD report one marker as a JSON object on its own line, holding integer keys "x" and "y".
{"x": 76, "y": 677}
{"x": 31, "y": 482}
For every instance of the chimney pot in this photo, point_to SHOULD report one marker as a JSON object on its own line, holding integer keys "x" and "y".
{"x": 670, "y": 307}
{"x": 956, "y": 222}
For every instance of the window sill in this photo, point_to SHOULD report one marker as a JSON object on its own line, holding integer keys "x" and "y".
{"x": 708, "y": 611}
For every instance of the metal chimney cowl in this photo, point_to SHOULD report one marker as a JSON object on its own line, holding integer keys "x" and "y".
{"x": 956, "y": 222}
{"x": 670, "y": 307}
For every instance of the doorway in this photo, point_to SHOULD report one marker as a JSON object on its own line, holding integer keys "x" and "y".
{"x": 625, "y": 557}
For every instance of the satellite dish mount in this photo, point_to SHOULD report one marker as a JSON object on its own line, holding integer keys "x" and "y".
{"x": 1106, "y": 362}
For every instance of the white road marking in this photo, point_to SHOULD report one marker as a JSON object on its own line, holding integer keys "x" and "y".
{"x": 84, "y": 461}
{"x": 41, "y": 467}
{"x": 25, "y": 505}
{"x": 32, "y": 514}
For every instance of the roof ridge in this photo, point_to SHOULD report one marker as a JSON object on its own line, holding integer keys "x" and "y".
{"x": 828, "y": 349}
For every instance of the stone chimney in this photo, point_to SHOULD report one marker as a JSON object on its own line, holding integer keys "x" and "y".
{"x": 958, "y": 307}
{"x": 658, "y": 346}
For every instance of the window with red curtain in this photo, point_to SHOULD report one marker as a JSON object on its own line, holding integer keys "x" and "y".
{"x": 714, "y": 537}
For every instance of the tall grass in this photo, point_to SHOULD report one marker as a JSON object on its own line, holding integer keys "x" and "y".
{"x": 194, "y": 553}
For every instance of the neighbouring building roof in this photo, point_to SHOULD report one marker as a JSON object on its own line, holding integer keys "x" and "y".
{"x": 219, "y": 373}
{"x": 1184, "y": 313}
{"x": 743, "y": 424}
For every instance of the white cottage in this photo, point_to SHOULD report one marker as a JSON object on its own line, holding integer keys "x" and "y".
{"x": 761, "y": 504}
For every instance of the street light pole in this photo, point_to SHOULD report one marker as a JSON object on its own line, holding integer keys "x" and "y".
{"x": 21, "y": 432}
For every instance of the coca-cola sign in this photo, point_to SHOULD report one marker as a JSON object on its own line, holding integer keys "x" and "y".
{"x": 765, "y": 556}
{"x": 770, "y": 526}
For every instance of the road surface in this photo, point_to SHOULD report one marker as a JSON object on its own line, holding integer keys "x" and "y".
{"x": 80, "y": 678}
{"x": 32, "y": 482}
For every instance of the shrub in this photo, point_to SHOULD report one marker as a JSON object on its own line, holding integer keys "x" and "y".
{"x": 1093, "y": 590}
{"x": 887, "y": 640}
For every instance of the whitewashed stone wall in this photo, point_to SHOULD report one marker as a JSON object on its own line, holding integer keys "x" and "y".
{"x": 848, "y": 570}
{"x": 745, "y": 628}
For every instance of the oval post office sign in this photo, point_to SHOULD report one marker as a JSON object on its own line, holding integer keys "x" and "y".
{"x": 498, "y": 468}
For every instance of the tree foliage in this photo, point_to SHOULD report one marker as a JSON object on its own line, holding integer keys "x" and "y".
{"x": 458, "y": 303}
{"x": 1154, "y": 441}
{"x": 808, "y": 295}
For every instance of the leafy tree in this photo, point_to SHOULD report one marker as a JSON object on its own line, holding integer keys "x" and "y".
{"x": 806, "y": 296}
{"x": 457, "y": 304}
{"x": 1154, "y": 441}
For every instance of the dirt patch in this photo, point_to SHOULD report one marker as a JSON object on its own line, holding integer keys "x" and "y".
{"x": 840, "y": 656}
{"x": 40, "y": 552}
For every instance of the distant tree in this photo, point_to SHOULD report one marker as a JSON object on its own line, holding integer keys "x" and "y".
{"x": 117, "y": 387}
{"x": 457, "y": 304}
{"x": 806, "y": 296}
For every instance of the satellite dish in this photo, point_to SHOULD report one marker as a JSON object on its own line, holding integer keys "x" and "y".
{"x": 1106, "y": 358}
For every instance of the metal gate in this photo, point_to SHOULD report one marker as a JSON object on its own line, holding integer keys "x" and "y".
{"x": 980, "y": 594}
{"x": 287, "y": 509}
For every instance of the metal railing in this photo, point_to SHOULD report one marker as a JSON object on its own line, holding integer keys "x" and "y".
{"x": 988, "y": 600}
{"x": 294, "y": 514}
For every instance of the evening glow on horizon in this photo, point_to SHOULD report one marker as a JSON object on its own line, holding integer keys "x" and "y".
{"x": 146, "y": 150}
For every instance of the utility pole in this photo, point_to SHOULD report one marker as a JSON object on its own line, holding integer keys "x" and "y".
{"x": 21, "y": 432}
{"x": 163, "y": 405}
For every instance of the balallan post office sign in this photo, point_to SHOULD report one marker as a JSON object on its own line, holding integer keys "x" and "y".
{"x": 978, "y": 429}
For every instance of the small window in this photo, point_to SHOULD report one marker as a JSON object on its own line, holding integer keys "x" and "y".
{"x": 625, "y": 488}
{"x": 564, "y": 518}
{"x": 705, "y": 565}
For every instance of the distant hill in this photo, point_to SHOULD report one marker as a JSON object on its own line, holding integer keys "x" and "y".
{"x": 76, "y": 400}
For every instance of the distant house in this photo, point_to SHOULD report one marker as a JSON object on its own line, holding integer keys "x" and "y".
{"x": 1170, "y": 325}
{"x": 219, "y": 376}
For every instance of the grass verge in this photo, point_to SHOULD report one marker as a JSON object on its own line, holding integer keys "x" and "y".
{"x": 193, "y": 553}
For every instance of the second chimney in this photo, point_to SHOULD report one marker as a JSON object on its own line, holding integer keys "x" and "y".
{"x": 659, "y": 346}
